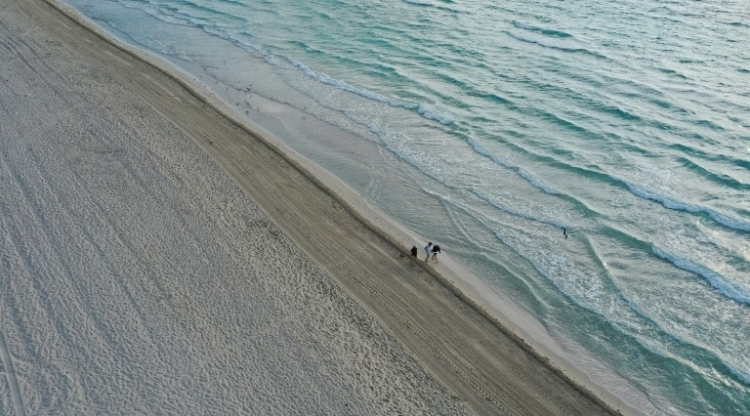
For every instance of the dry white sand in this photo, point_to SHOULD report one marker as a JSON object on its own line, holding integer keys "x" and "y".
{"x": 157, "y": 258}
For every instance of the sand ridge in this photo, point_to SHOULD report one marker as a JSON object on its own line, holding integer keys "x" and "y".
{"x": 475, "y": 358}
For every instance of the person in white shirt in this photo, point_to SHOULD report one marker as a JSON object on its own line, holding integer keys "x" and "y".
{"x": 428, "y": 250}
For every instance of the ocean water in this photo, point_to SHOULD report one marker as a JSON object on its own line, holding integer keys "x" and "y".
{"x": 492, "y": 126}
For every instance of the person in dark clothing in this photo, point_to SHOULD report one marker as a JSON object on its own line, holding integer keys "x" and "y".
{"x": 414, "y": 251}
{"x": 435, "y": 252}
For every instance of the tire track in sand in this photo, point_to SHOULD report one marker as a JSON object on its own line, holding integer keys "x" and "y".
{"x": 10, "y": 375}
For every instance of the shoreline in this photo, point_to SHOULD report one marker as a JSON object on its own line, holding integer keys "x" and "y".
{"x": 394, "y": 235}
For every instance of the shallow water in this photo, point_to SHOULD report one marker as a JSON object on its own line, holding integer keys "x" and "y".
{"x": 490, "y": 127}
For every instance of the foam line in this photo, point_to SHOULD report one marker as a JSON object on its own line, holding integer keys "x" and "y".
{"x": 533, "y": 180}
{"x": 513, "y": 212}
{"x": 670, "y": 203}
{"x": 443, "y": 118}
{"x": 185, "y": 19}
{"x": 720, "y": 283}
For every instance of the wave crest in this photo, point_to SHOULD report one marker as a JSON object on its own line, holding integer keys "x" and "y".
{"x": 552, "y": 44}
{"x": 724, "y": 286}
{"x": 674, "y": 204}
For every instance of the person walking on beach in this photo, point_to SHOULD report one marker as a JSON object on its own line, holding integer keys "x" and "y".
{"x": 428, "y": 250}
{"x": 435, "y": 252}
{"x": 414, "y": 251}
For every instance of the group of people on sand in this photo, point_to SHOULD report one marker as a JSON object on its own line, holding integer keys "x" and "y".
{"x": 430, "y": 250}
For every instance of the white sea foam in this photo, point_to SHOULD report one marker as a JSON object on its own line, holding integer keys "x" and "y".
{"x": 528, "y": 176}
{"x": 536, "y": 181}
{"x": 670, "y": 203}
{"x": 443, "y": 118}
{"x": 325, "y": 79}
{"x": 727, "y": 288}
{"x": 505, "y": 208}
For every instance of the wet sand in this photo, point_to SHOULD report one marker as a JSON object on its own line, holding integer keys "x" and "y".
{"x": 160, "y": 255}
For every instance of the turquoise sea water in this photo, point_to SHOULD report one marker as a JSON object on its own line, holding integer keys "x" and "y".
{"x": 489, "y": 126}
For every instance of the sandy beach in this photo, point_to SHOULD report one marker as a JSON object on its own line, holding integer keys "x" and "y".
{"x": 159, "y": 257}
